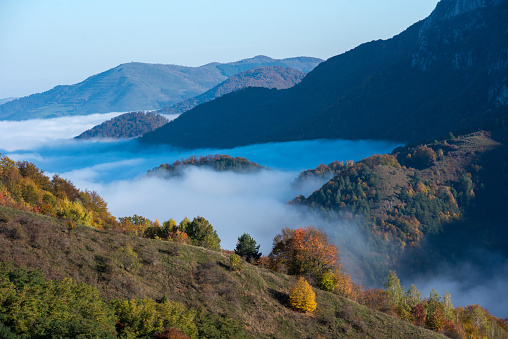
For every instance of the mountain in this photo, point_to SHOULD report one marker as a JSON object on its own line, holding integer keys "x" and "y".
{"x": 425, "y": 209}
{"x": 217, "y": 162}
{"x": 127, "y": 125}
{"x": 135, "y": 124}
{"x": 137, "y": 86}
{"x": 268, "y": 77}
{"x": 3, "y": 101}
{"x": 447, "y": 73}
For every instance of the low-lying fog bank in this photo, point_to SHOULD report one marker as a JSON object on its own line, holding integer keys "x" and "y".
{"x": 234, "y": 203}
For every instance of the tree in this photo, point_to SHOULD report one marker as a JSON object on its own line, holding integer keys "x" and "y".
{"x": 184, "y": 224}
{"x": 201, "y": 233}
{"x": 302, "y": 298}
{"x": 304, "y": 251}
{"x": 448, "y": 307}
{"x": 435, "y": 312}
{"x": 412, "y": 296}
{"x": 393, "y": 289}
{"x": 246, "y": 247}
{"x": 168, "y": 227}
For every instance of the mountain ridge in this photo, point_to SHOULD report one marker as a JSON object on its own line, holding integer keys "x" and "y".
{"x": 439, "y": 75}
{"x": 136, "y": 87}
{"x": 267, "y": 77}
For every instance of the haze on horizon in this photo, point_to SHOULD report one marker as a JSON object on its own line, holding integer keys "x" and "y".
{"x": 54, "y": 42}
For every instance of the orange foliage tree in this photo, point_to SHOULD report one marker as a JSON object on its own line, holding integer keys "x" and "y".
{"x": 304, "y": 251}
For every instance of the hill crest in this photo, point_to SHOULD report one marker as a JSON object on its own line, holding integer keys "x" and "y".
{"x": 135, "y": 87}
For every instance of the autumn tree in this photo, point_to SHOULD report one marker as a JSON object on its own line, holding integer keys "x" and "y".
{"x": 168, "y": 227}
{"x": 184, "y": 224}
{"x": 247, "y": 247}
{"x": 395, "y": 294}
{"x": 435, "y": 312}
{"x": 302, "y": 298}
{"x": 304, "y": 251}
{"x": 393, "y": 289}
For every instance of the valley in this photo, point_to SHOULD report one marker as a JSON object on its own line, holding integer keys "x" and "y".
{"x": 362, "y": 196}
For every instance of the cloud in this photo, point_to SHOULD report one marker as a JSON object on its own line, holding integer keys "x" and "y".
{"x": 234, "y": 203}
{"x": 30, "y": 134}
{"x": 36, "y": 133}
{"x": 254, "y": 203}
{"x": 470, "y": 284}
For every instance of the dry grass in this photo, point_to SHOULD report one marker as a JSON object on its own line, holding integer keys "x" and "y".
{"x": 126, "y": 267}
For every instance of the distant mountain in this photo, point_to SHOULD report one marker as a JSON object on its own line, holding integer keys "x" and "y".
{"x": 127, "y": 125}
{"x": 137, "y": 86}
{"x": 3, "y": 101}
{"x": 268, "y": 77}
{"x": 446, "y": 73}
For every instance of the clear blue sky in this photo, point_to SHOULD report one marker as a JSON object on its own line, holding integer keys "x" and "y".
{"x": 44, "y": 43}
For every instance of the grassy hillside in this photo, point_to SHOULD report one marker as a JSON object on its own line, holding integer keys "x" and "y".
{"x": 122, "y": 266}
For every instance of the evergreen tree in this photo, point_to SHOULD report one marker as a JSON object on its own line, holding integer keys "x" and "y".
{"x": 247, "y": 247}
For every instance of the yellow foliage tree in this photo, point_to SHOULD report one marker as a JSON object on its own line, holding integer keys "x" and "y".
{"x": 302, "y": 298}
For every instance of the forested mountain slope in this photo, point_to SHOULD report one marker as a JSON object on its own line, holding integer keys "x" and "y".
{"x": 268, "y": 77}
{"x": 217, "y": 162}
{"x": 446, "y": 73}
{"x": 137, "y": 86}
{"x": 423, "y": 206}
{"x": 127, "y": 125}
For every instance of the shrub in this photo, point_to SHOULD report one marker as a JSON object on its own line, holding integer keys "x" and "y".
{"x": 142, "y": 317}
{"x": 4, "y": 217}
{"x": 235, "y": 262}
{"x": 302, "y": 298}
{"x": 327, "y": 281}
{"x": 170, "y": 333}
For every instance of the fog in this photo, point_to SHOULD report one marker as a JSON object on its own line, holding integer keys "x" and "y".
{"x": 234, "y": 203}
{"x": 30, "y": 134}
{"x": 469, "y": 284}
{"x": 254, "y": 203}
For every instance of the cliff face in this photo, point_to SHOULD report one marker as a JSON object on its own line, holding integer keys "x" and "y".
{"x": 449, "y": 8}
{"x": 447, "y": 73}
{"x": 449, "y": 38}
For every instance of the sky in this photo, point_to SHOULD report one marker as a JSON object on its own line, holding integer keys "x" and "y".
{"x": 45, "y": 43}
